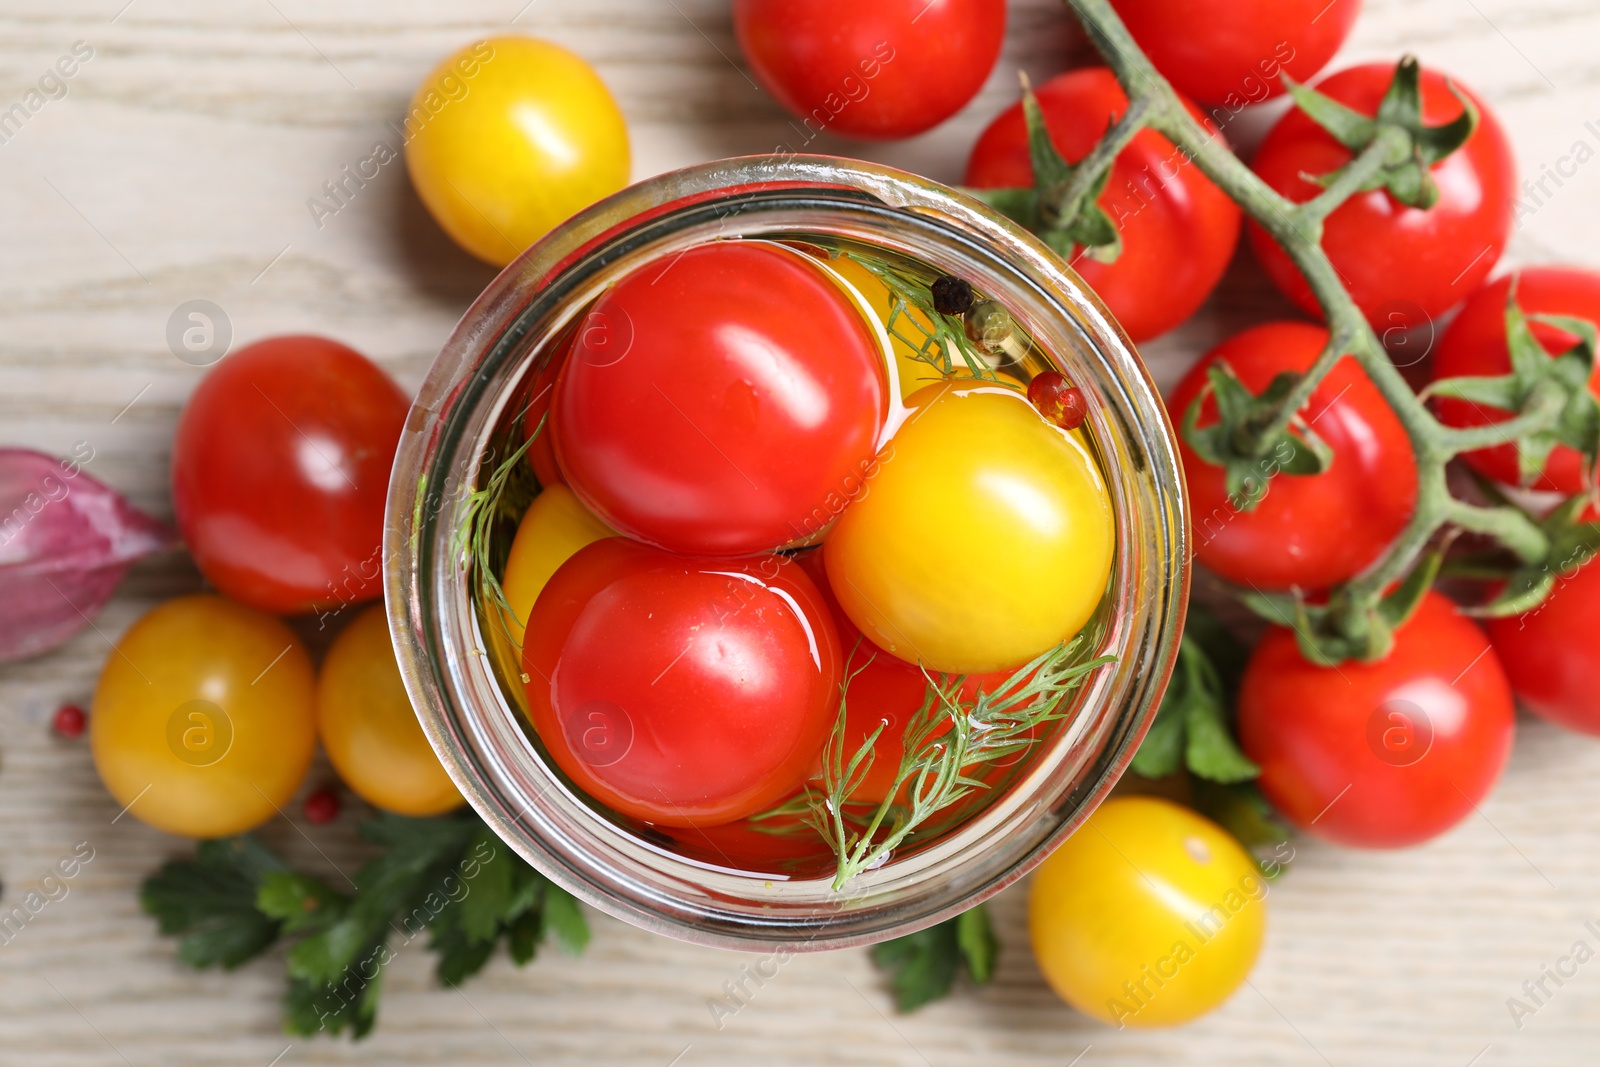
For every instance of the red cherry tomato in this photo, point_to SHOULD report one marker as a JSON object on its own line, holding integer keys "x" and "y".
{"x": 1234, "y": 52}
{"x": 717, "y": 402}
{"x": 536, "y": 423}
{"x": 1389, "y": 255}
{"x": 1386, "y": 754}
{"x": 1552, "y": 653}
{"x": 880, "y": 70}
{"x": 753, "y": 847}
{"x": 1475, "y": 344}
{"x": 1310, "y": 531}
{"x": 1178, "y": 229}
{"x": 279, "y": 473}
{"x": 680, "y": 691}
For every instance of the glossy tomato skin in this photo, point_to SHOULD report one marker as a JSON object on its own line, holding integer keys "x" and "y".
{"x": 1390, "y": 255}
{"x": 536, "y": 401}
{"x": 1475, "y": 344}
{"x": 744, "y": 399}
{"x": 1310, "y": 531}
{"x": 1385, "y": 754}
{"x": 974, "y": 465}
{"x": 510, "y": 136}
{"x": 682, "y": 691}
{"x": 1235, "y": 52}
{"x": 881, "y": 690}
{"x": 279, "y": 473}
{"x": 1149, "y": 915}
{"x": 1178, "y": 229}
{"x": 204, "y": 720}
{"x": 877, "y": 71}
{"x": 368, "y": 728}
{"x": 1552, "y": 653}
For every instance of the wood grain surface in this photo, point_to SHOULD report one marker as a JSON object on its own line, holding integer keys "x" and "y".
{"x": 178, "y": 166}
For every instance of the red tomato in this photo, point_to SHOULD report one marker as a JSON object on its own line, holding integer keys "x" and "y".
{"x": 1389, "y": 254}
{"x": 1308, "y": 531}
{"x": 1475, "y": 344}
{"x": 715, "y": 403}
{"x": 686, "y": 692}
{"x": 884, "y": 690}
{"x": 1234, "y": 52}
{"x": 540, "y": 390}
{"x": 279, "y": 473}
{"x": 1386, "y": 754}
{"x": 752, "y": 848}
{"x": 1178, "y": 229}
{"x": 1552, "y": 653}
{"x": 880, "y": 70}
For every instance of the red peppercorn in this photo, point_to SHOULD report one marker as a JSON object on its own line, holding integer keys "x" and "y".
{"x": 69, "y": 721}
{"x": 321, "y": 807}
{"x": 1058, "y": 400}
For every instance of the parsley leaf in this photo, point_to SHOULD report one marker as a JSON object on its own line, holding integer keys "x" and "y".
{"x": 924, "y": 966}
{"x": 1193, "y": 727}
{"x": 449, "y": 876}
{"x": 209, "y": 902}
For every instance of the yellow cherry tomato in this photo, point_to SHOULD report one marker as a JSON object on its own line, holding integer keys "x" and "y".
{"x": 203, "y": 719}
{"x": 369, "y": 730}
{"x": 1149, "y": 915}
{"x": 554, "y": 527}
{"x": 983, "y": 538}
{"x": 914, "y": 373}
{"x": 509, "y": 137}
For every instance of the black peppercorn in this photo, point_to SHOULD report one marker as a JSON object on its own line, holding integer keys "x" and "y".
{"x": 952, "y": 295}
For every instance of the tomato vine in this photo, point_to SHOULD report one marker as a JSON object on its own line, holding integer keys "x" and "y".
{"x": 1392, "y": 150}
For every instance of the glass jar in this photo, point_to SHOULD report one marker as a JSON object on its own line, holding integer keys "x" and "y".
{"x": 480, "y": 732}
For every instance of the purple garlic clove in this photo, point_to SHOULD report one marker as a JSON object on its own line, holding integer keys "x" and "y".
{"x": 65, "y": 542}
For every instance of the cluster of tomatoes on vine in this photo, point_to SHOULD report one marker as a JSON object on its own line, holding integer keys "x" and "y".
{"x": 1371, "y": 754}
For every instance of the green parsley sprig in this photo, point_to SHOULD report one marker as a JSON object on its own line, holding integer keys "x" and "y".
{"x": 924, "y": 966}
{"x": 449, "y": 877}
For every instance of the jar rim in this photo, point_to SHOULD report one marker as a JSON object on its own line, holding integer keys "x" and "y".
{"x": 434, "y": 628}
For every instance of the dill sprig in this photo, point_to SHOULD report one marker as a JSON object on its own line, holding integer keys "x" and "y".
{"x": 946, "y": 740}
{"x": 502, "y": 499}
{"x": 948, "y": 333}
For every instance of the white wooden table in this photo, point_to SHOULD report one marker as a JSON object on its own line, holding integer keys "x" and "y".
{"x": 178, "y": 166}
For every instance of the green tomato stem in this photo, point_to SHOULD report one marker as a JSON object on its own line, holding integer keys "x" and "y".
{"x": 1100, "y": 158}
{"x": 1297, "y": 229}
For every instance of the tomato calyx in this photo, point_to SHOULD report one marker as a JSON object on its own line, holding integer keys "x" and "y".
{"x": 1064, "y": 221}
{"x": 1343, "y": 627}
{"x": 1573, "y": 535}
{"x": 1407, "y": 147}
{"x": 1246, "y": 431}
{"x": 1551, "y": 392}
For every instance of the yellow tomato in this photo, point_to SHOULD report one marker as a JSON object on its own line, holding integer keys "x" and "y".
{"x": 369, "y": 730}
{"x": 554, "y": 528}
{"x": 203, "y": 719}
{"x": 509, "y": 137}
{"x": 984, "y": 536}
{"x": 1149, "y": 915}
{"x": 914, "y": 373}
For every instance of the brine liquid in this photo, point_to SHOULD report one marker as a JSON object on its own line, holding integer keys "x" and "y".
{"x": 783, "y": 847}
